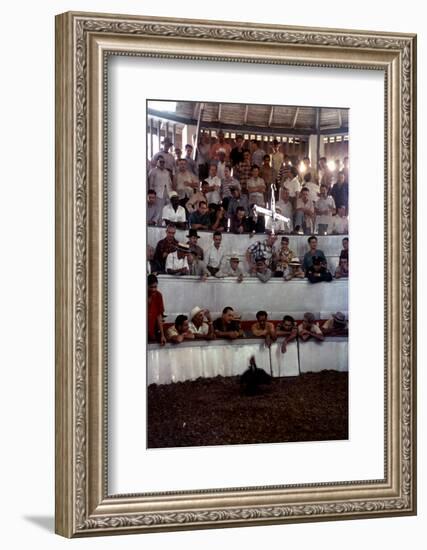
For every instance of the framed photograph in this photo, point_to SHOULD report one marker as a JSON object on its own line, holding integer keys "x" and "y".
{"x": 219, "y": 360}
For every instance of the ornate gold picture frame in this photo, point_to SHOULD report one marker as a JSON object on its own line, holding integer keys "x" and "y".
{"x": 84, "y": 42}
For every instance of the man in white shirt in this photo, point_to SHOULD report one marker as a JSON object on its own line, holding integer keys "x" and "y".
{"x": 285, "y": 206}
{"x": 304, "y": 212}
{"x": 173, "y": 212}
{"x": 324, "y": 208}
{"x": 160, "y": 180}
{"x": 312, "y": 186}
{"x": 176, "y": 262}
{"x": 309, "y": 329}
{"x": 215, "y": 254}
{"x": 340, "y": 222}
{"x": 294, "y": 185}
{"x": 214, "y": 194}
{"x": 201, "y": 324}
{"x": 256, "y": 188}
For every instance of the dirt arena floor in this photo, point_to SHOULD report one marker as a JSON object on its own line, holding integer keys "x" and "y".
{"x": 215, "y": 411}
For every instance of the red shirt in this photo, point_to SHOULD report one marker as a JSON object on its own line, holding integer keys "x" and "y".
{"x": 155, "y": 308}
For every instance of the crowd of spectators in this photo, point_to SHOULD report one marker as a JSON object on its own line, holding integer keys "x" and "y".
{"x": 199, "y": 324}
{"x": 265, "y": 259}
{"x": 217, "y": 188}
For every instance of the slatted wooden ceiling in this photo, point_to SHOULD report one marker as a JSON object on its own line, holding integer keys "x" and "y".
{"x": 265, "y": 116}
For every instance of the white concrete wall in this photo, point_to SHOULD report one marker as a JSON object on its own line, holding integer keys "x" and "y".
{"x": 191, "y": 360}
{"x": 277, "y": 297}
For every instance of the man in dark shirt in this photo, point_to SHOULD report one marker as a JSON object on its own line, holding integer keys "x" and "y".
{"x": 318, "y": 273}
{"x": 339, "y": 192}
{"x": 165, "y": 247}
{"x": 236, "y": 154}
{"x": 193, "y": 237}
{"x": 228, "y": 325}
{"x": 199, "y": 219}
{"x": 313, "y": 252}
{"x": 237, "y": 199}
{"x": 154, "y": 208}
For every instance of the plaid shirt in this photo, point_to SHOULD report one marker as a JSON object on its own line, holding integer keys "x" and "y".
{"x": 243, "y": 173}
{"x": 261, "y": 250}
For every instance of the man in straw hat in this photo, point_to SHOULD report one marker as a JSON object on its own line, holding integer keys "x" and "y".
{"x": 176, "y": 262}
{"x": 232, "y": 269}
{"x": 201, "y": 324}
{"x": 336, "y": 325}
{"x": 294, "y": 270}
{"x": 193, "y": 238}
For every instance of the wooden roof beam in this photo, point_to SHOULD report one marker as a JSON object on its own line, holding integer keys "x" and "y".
{"x": 294, "y": 121}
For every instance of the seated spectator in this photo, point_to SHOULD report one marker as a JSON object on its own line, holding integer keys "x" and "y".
{"x": 193, "y": 237}
{"x": 341, "y": 271}
{"x": 318, "y": 273}
{"x": 339, "y": 192}
{"x": 199, "y": 219}
{"x": 313, "y": 252}
{"x": 180, "y": 331}
{"x": 256, "y": 187}
{"x": 256, "y": 223}
{"x": 155, "y": 312}
{"x": 309, "y": 329}
{"x": 232, "y": 269}
{"x": 196, "y": 267}
{"x": 176, "y": 262}
{"x": 284, "y": 256}
{"x": 340, "y": 222}
{"x": 304, "y": 211}
{"x": 215, "y": 254}
{"x": 262, "y": 272}
{"x": 288, "y": 330}
{"x": 324, "y": 208}
{"x": 202, "y": 195}
{"x": 264, "y": 329}
{"x": 154, "y": 208}
{"x": 344, "y": 251}
{"x": 237, "y": 200}
{"x": 201, "y": 324}
{"x": 164, "y": 247}
{"x": 336, "y": 325}
{"x": 286, "y": 209}
{"x": 240, "y": 222}
{"x": 174, "y": 213}
{"x": 217, "y": 217}
{"x": 185, "y": 182}
{"x": 262, "y": 250}
{"x": 228, "y": 325}
{"x": 294, "y": 270}
{"x": 214, "y": 194}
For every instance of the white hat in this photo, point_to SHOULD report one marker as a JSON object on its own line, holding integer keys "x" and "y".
{"x": 195, "y": 311}
{"x": 173, "y": 194}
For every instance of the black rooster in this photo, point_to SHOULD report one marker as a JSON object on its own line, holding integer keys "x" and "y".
{"x": 253, "y": 378}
